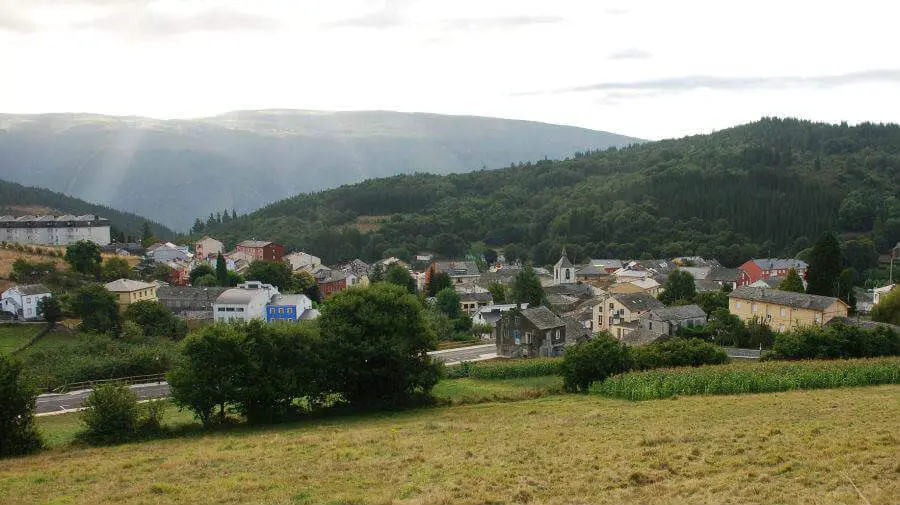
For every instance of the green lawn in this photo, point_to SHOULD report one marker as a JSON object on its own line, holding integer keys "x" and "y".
{"x": 14, "y": 336}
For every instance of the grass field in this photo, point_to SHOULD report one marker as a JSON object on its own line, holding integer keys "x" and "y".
{"x": 13, "y": 336}
{"x": 800, "y": 447}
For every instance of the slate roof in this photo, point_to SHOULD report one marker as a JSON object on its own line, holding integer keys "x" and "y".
{"x": 787, "y": 298}
{"x": 32, "y": 289}
{"x": 575, "y": 332}
{"x": 456, "y": 267}
{"x": 577, "y": 290}
{"x": 679, "y": 313}
{"x": 591, "y": 271}
{"x": 127, "y": 286}
{"x": 640, "y": 336}
{"x": 638, "y": 302}
{"x": 324, "y": 276}
{"x": 255, "y": 243}
{"x": 183, "y": 298}
{"x": 779, "y": 264}
{"x": 706, "y": 285}
{"x": 476, "y": 297}
{"x": 358, "y": 268}
{"x": 722, "y": 274}
{"x": 542, "y": 318}
{"x": 606, "y": 263}
{"x": 868, "y": 325}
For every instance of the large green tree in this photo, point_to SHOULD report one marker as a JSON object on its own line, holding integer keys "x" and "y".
{"x": 592, "y": 361}
{"x": 499, "y": 292}
{"x": 825, "y": 265}
{"x": 792, "y": 282}
{"x": 527, "y": 288}
{"x": 97, "y": 309}
{"x": 888, "y": 309}
{"x": 155, "y": 320}
{"x": 375, "y": 342}
{"x": 437, "y": 281}
{"x": 18, "y": 433}
{"x": 221, "y": 270}
{"x": 276, "y": 273}
{"x": 400, "y": 276}
{"x": 115, "y": 268}
{"x": 49, "y": 309}
{"x": 84, "y": 257}
{"x": 447, "y": 301}
{"x": 199, "y": 271}
{"x": 679, "y": 286}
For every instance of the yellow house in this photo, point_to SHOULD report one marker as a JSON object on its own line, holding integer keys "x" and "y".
{"x": 648, "y": 286}
{"x": 619, "y": 313}
{"x": 783, "y": 310}
{"x": 129, "y": 291}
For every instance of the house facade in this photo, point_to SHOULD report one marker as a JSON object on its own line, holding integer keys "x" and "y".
{"x": 331, "y": 282}
{"x": 460, "y": 272}
{"x": 774, "y": 269}
{"x": 783, "y": 310}
{"x": 618, "y": 314}
{"x": 22, "y": 301}
{"x": 168, "y": 251}
{"x": 490, "y": 314}
{"x": 287, "y": 307}
{"x": 302, "y": 261}
{"x": 528, "y": 333}
{"x": 208, "y": 246}
{"x": 470, "y": 302}
{"x": 54, "y": 230}
{"x": 245, "y": 302}
{"x": 648, "y": 286}
{"x": 667, "y": 321}
{"x": 261, "y": 250}
{"x": 129, "y": 291}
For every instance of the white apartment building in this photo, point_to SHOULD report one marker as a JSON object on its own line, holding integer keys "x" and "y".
{"x": 245, "y": 302}
{"x": 53, "y": 230}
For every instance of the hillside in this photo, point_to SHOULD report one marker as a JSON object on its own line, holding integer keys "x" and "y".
{"x": 762, "y": 189}
{"x": 801, "y": 447}
{"x": 18, "y": 200}
{"x": 173, "y": 171}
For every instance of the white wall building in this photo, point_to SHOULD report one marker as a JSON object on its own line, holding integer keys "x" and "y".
{"x": 301, "y": 260}
{"x": 51, "y": 230}
{"x": 245, "y": 302}
{"x": 169, "y": 252}
{"x": 22, "y": 301}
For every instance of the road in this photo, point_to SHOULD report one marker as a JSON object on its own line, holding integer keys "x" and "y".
{"x": 68, "y": 402}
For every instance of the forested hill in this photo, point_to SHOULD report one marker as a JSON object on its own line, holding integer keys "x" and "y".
{"x": 763, "y": 189}
{"x": 18, "y": 200}
{"x": 174, "y": 170}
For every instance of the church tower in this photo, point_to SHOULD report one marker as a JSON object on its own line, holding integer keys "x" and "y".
{"x": 563, "y": 270}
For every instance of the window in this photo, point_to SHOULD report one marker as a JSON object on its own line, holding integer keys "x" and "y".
{"x": 220, "y": 309}
{"x": 650, "y": 326}
{"x": 610, "y": 306}
{"x": 754, "y": 307}
{"x": 281, "y": 310}
{"x": 781, "y": 328}
{"x": 568, "y": 274}
{"x": 818, "y": 318}
{"x": 527, "y": 337}
{"x": 782, "y": 312}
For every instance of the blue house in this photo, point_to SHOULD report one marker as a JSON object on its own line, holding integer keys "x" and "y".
{"x": 287, "y": 307}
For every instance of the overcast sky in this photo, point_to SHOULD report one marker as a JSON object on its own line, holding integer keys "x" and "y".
{"x": 650, "y": 69}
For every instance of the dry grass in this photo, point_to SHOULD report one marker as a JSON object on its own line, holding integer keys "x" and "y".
{"x": 366, "y": 224}
{"x": 797, "y": 447}
{"x": 7, "y": 257}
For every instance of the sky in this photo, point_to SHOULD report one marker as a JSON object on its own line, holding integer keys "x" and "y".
{"x": 649, "y": 69}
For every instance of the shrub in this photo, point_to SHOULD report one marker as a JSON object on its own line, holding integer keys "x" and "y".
{"x": 835, "y": 341}
{"x": 150, "y": 423}
{"x": 594, "y": 360}
{"x": 677, "y": 352}
{"x": 18, "y": 434}
{"x": 110, "y": 415}
{"x": 155, "y": 320}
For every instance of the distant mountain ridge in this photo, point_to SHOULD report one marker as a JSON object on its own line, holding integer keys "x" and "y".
{"x": 175, "y": 170}
{"x": 18, "y": 200}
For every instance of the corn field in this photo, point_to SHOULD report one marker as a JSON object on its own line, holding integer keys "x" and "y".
{"x": 508, "y": 369}
{"x": 738, "y": 378}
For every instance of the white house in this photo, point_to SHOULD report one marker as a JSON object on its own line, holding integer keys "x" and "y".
{"x": 879, "y": 293}
{"x": 301, "y": 260}
{"x": 207, "y": 246}
{"x": 169, "y": 252}
{"x": 245, "y": 302}
{"x": 490, "y": 314}
{"x": 52, "y": 230}
{"x": 563, "y": 270}
{"x": 22, "y": 301}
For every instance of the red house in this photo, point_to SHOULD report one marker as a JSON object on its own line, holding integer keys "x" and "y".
{"x": 768, "y": 269}
{"x": 261, "y": 250}
{"x": 330, "y": 282}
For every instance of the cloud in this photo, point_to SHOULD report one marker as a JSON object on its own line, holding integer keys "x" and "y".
{"x": 694, "y": 82}
{"x": 147, "y": 22}
{"x": 391, "y": 14}
{"x": 12, "y": 19}
{"x": 632, "y": 53}
{"x": 499, "y": 22}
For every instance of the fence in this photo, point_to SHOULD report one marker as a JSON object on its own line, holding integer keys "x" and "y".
{"x": 136, "y": 379}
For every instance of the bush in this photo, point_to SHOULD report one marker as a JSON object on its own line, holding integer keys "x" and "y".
{"x": 835, "y": 341}
{"x": 18, "y": 434}
{"x": 594, "y": 360}
{"x": 155, "y": 320}
{"x": 677, "y": 352}
{"x": 110, "y": 415}
{"x": 151, "y": 422}
{"x": 739, "y": 378}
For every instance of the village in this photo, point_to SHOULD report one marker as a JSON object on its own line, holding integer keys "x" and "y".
{"x": 621, "y": 297}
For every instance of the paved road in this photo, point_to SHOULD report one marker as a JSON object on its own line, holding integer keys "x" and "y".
{"x": 67, "y": 402}
{"x": 472, "y": 353}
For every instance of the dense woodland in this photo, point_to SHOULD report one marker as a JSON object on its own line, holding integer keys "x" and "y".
{"x": 768, "y": 188}
{"x": 13, "y": 196}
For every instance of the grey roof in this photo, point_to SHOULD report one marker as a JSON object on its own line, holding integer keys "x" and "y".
{"x": 357, "y": 267}
{"x": 127, "y": 286}
{"x": 290, "y": 299}
{"x": 563, "y": 261}
{"x": 638, "y": 302}
{"x": 679, "y": 313}
{"x": 577, "y": 290}
{"x": 869, "y": 325}
{"x": 722, "y": 274}
{"x": 32, "y": 289}
{"x": 456, "y": 267}
{"x": 238, "y": 296}
{"x": 606, "y": 263}
{"x": 788, "y": 298}
{"x": 542, "y": 318}
{"x": 255, "y": 243}
{"x": 188, "y": 297}
{"x": 574, "y": 330}
{"x": 780, "y": 263}
{"x": 309, "y": 314}
{"x": 640, "y": 336}
{"x": 706, "y": 285}
{"x": 591, "y": 271}
{"x": 476, "y": 297}
{"x": 330, "y": 275}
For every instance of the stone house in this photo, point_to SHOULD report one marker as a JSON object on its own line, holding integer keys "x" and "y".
{"x": 527, "y": 333}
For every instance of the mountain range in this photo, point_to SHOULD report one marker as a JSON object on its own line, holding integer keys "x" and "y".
{"x": 174, "y": 171}
{"x": 764, "y": 189}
